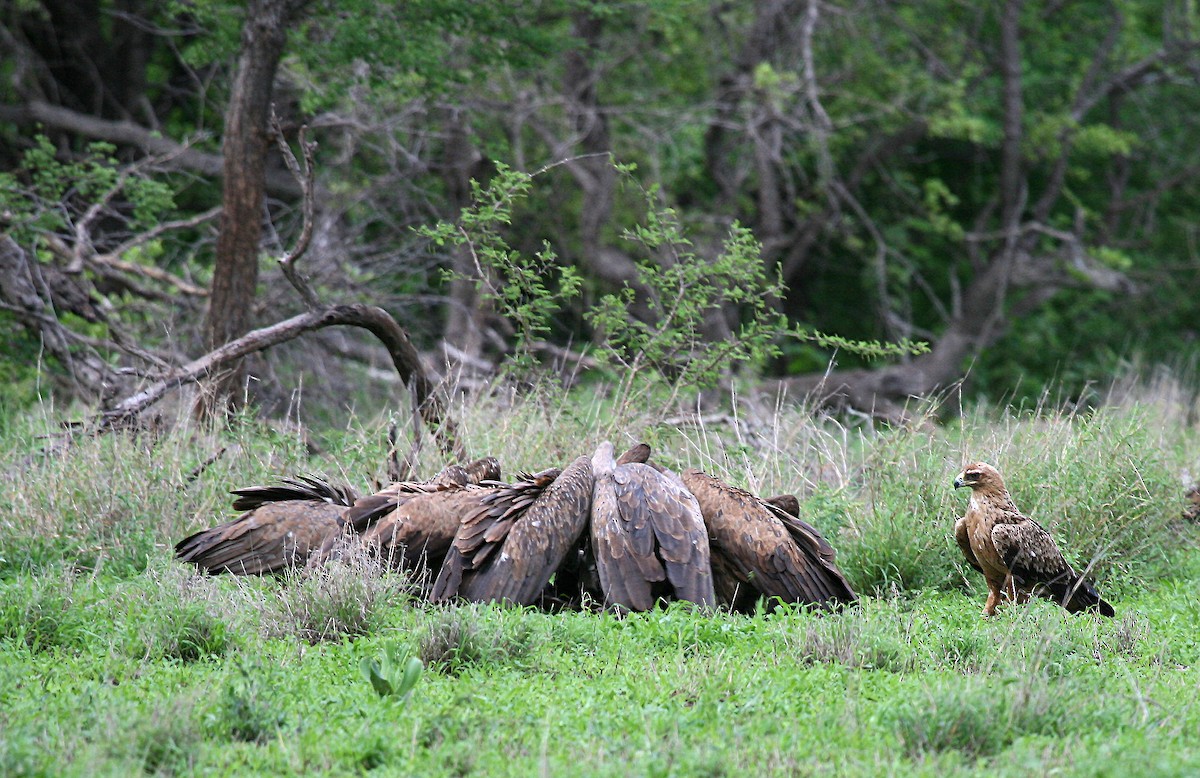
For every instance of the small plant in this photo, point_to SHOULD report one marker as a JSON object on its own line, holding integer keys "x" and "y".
{"x": 395, "y": 675}
{"x": 528, "y": 291}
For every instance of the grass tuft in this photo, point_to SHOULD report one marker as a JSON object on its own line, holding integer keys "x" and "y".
{"x": 41, "y": 613}
{"x": 343, "y": 599}
{"x": 459, "y": 638}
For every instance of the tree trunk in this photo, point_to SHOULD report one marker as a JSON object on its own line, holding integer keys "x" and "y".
{"x": 235, "y": 274}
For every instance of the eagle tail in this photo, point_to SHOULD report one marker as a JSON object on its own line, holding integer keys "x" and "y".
{"x": 1075, "y": 593}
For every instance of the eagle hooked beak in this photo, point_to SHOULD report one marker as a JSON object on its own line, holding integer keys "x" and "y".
{"x": 959, "y": 482}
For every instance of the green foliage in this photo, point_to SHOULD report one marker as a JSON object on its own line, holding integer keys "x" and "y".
{"x": 528, "y": 291}
{"x": 340, "y": 600}
{"x": 251, "y": 705}
{"x": 682, "y": 291}
{"x": 39, "y": 612}
{"x": 45, "y": 194}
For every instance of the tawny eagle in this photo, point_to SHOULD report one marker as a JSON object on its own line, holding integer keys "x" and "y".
{"x": 1016, "y": 555}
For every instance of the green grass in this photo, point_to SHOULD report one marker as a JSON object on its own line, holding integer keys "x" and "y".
{"x": 114, "y": 660}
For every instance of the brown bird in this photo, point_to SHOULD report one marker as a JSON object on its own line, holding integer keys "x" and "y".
{"x": 1015, "y": 554}
{"x": 282, "y": 526}
{"x": 417, "y": 535}
{"x": 411, "y": 525}
{"x": 369, "y": 509}
{"x": 647, "y": 536}
{"x": 509, "y": 548}
{"x": 761, "y": 548}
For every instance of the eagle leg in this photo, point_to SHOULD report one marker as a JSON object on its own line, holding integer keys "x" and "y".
{"x": 994, "y": 597}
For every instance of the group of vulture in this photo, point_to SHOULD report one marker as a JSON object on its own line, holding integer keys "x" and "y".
{"x": 621, "y": 532}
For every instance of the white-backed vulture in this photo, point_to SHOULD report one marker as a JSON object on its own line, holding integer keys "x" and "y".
{"x": 647, "y": 536}
{"x": 508, "y": 550}
{"x": 761, "y": 550}
{"x": 282, "y": 526}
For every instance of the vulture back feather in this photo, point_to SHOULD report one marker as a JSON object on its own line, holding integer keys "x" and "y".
{"x": 759, "y": 548}
{"x": 647, "y": 536}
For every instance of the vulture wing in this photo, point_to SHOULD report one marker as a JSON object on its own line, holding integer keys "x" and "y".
{"x": 367, "y": 510}
{"x": 765, "y": 548}
{"x": 509, "y": 549}
{"x": 647, "y": 536}
{"x": 1036, "y": 562}
{"x": 418, "y": 534}
{"x": 286, "y": 524}
{"x": 304, "y": 487}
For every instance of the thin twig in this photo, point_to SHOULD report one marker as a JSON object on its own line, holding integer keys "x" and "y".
{"x": 305, "y": 177}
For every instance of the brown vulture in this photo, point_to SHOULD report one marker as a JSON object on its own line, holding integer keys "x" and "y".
{"x": 369, "y": 509}
{"x": 411, "y": 525}
{"x": 509, "y": 548}
{"x": 282, "y": 526}
{"x": 647, "y": 536}
{"x": 760, "y": 549}
{"x": 1016, "y": 555}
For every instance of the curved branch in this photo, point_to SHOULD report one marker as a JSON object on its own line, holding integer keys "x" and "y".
{"x": 369, "y": 317}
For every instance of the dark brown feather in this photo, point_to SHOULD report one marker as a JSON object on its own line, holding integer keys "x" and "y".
{"x": 367, "y": 510}
{"x": 268, "y": 539}
{"x": 304, "y": 487}
{"x": 766, "y": 549}
{"x": 963, "y": 540}
{"x": 647, "y": 536}
{"x": 417, "y": 535}
{"x": 527, "y": 542}
{"x": 1035, "y": 562}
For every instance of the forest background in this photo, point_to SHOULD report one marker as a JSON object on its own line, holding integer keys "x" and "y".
{"x": 1011, "y": 184}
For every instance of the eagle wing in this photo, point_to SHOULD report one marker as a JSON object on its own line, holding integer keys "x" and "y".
{"x": 1034, "y": 560}
{"x": 963, "y": 538}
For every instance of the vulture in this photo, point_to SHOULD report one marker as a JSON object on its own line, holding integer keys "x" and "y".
{"x": 510, "y": 547}
{"x": 281, "y": 527}
{"x": 647, "y": 536}
{"x": 528, "y": 543}
{"x": 410, "y": 525}
{"x": 761, "y": 548}
{"x": 1016, "y": 555}
{"x": 369, "y": 509}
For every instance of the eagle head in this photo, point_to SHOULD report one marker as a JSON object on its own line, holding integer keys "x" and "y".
{"x": 980, "y": 476}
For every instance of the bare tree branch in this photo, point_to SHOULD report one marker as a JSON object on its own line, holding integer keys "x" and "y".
{"x": 183, "y": 156}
